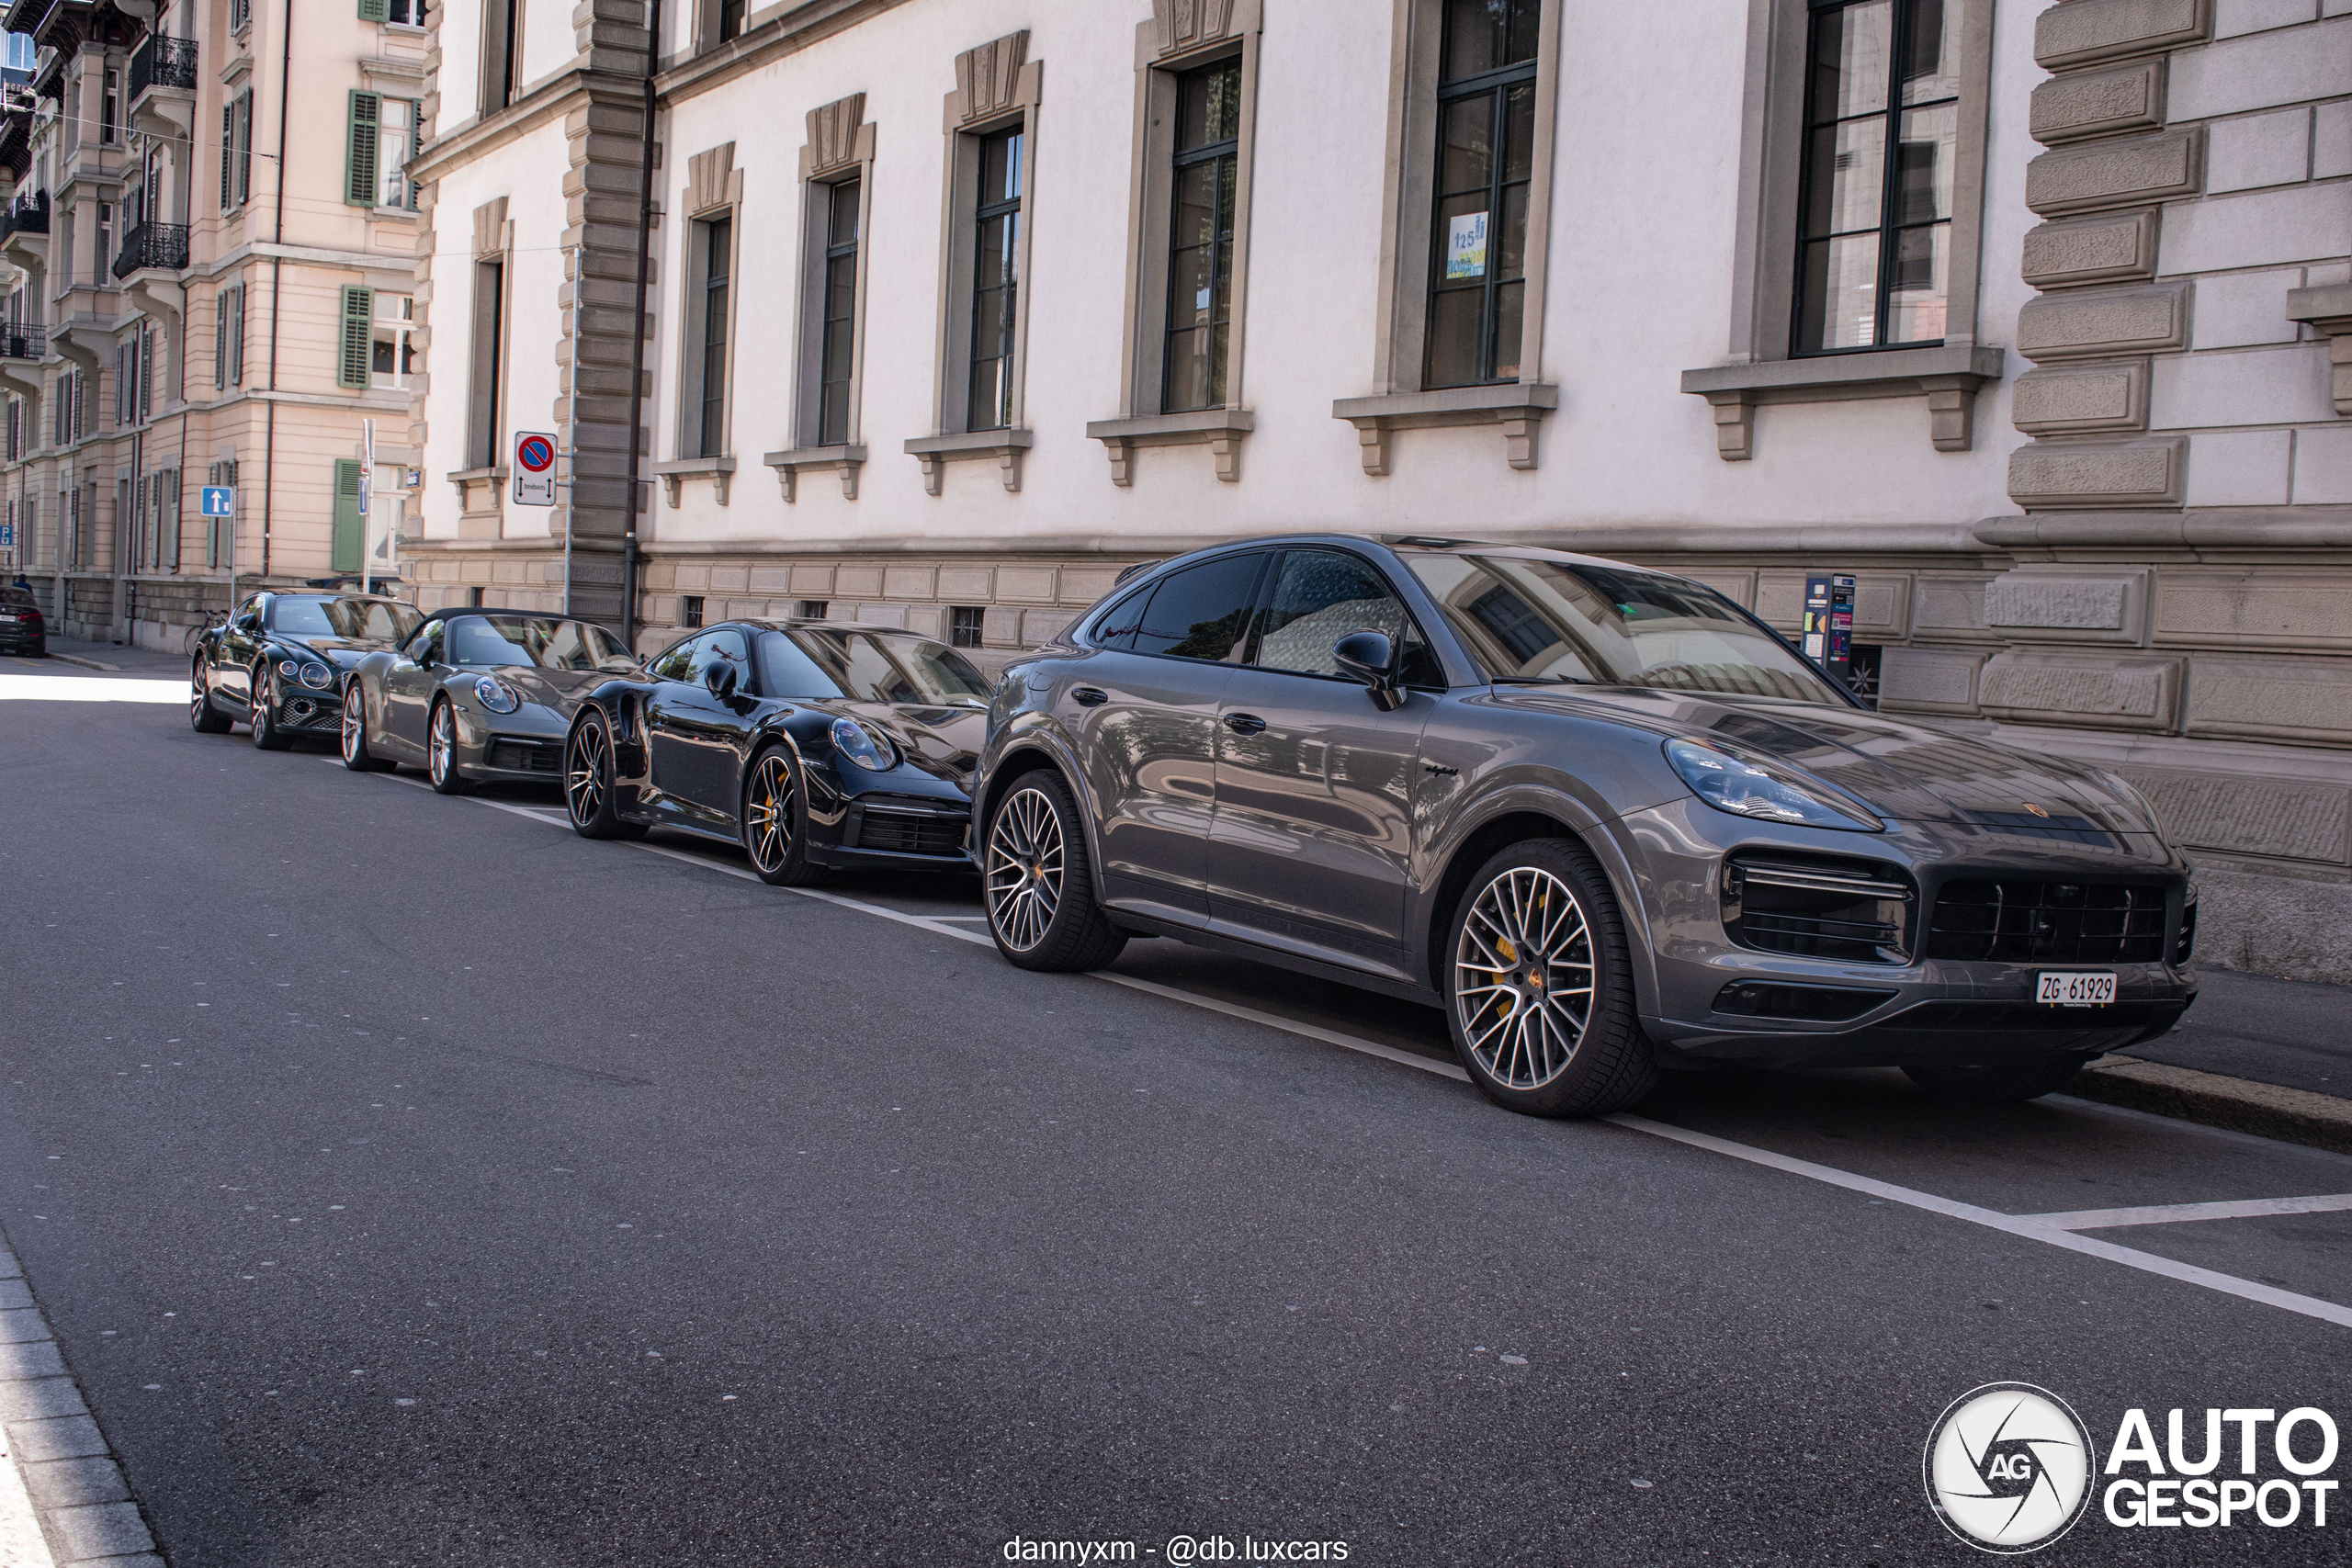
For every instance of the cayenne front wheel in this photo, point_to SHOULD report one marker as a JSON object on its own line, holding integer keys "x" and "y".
{"x": 441, "y": 749}
{"x": 588, "y": 783}
{"x": 775, "y": 823}
{"x": 356, "y": 755}
{"x": 202, "y": 716}
{"x": 1040, "y": 885}
{"x": 1539, "y": 985}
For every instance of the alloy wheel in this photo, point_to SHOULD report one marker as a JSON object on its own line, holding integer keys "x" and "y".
{"x": 1024, "y": 869}
{"x": 442, "y": 743}
{"x": 1522, "y": 978}
{"x": 584, "y": 771}
{"x": 199, "y": 698}
{"x": 768, "y": 811}
{"x": 354, "y": 717}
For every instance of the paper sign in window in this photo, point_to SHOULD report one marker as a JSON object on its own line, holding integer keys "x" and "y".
{"x": 1465, "y": 247}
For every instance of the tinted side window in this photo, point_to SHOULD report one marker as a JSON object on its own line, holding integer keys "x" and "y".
{"x": 1199, "y": 613}
{"x": 1115, "y": 627}
{"x": 1320, "y": 596}
{"x": 678, "y": 664}
{"x": 727, "y": 644}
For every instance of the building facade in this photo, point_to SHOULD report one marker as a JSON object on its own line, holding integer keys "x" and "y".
{"x": 2031, "y": 316}
{"x": 210, "y": 250}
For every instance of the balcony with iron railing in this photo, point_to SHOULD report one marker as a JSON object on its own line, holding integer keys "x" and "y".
{"x": 25, "y": 215}
{"x": 152, "y": 246}
{"x": 164, "y": 62}
{"x": 23, "y": 340}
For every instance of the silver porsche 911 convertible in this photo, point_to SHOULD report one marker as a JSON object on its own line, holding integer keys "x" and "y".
{"x": 474, "y": 695}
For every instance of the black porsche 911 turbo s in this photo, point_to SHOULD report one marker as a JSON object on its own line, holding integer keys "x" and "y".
{"x": 477, "y": 696}
{"x": 279, "y": 662}
{"x": 813, "y": 745}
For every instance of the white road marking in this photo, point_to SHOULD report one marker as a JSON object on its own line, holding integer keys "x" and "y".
{"x": 2031, "y": 1227}
{"x": 91, "y": 689}
{"x": 2179, "y": 1213}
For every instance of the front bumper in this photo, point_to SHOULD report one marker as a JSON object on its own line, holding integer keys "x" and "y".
{"x": 517, "y": 747}
{"x": 1714, "y": 1000}
{"x": 902, "y": 820}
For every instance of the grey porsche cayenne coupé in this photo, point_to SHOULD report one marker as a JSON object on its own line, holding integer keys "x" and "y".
{"x": 1603, "y": 817}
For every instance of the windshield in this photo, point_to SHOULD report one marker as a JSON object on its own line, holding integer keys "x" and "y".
{"x": 1541, "y": 621}
{"x": 490, "y": 641}
{"x": 867, "y": 668}
{"x": 383, "y": 620}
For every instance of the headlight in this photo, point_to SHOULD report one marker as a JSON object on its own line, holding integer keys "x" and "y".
{"x": 1773, "y": 792}
{"x": 860, "y": 745}
{"x": 318, "y": 677}
{"x": 496, "y": 694}
{"x": 289, "y": 668}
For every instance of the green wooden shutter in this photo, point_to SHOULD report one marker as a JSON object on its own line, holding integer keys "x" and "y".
{"x": 228, "y": 150}
{"x": 374, "y": 10}
{"x": 367, "y": 116}
{"x": 237, "y": 336}
{"x": 349, "y": 533}
{"x": 359, "y": 327}
{"x": 220, "y": 341}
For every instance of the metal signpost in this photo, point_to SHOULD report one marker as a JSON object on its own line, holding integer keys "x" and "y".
{"x": 533, "y": 468}
{"x": 221, "y": 501}
{"x": 366, "y": 497}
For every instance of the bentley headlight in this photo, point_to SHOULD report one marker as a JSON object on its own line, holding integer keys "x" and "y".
{"x": 289, "y": 668}
{"x": 496, "y": 694}
{"x": 1768, "y": 791}
{"x": 318, "y": 677}
{"x": 861, "y": 746}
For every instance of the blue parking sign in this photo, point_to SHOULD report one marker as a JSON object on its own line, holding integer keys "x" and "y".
{"x": 7, "y": 536}
{"x": 219, "y": 501}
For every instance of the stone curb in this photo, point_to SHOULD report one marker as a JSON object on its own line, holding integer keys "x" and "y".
{"x": 2241, "y": 1105}
{"x": 76, "y": 1490}
{"x": 85, "y": 663}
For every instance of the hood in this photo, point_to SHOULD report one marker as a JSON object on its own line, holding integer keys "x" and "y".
{"x": 342, "y": 652}
{"x": 1904, "y": 771}
{"x": 558, "y": 689}
{"x": 943, "y": 742}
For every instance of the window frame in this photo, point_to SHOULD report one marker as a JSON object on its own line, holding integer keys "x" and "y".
{"x": 839, "y": 151}
{"x": 1499, "y": 82}
{"x": 1269, "y": 579}
{"x": 504, "y": 27}
{"x": 487, "y": 361}
{"x": 714, "y": 195}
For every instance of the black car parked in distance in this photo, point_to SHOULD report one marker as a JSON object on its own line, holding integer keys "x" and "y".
{"x": 812, "y": 744}
{"x": 22, "y": 627}
{"x": 279, "y": 662}
{"x": 1604, "y": 816}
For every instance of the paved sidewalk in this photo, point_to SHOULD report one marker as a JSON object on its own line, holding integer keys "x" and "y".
{"x": 111, "y": 657}
{"x": 51, "y": 1448}
{"x": 2288, "y": 1033}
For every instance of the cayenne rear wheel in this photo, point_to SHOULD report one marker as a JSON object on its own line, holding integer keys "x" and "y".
{"x": 774, "y": 823}
{"x": 262, "y": 713}
{"x": 1996, "y": 1083}
{"x": 1539, "y": 985}
{"x": 588, "y": 781}
{"x": 356, "y": 755}
{"x": 202, "y": 716}
{"x": 1040, "y": 886}
{"x": 441, "y": 749}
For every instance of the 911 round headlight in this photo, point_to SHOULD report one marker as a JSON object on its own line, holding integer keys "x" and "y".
{"x": 861, "y": 746}
{"x": 1759, "y": 787}
{"x": 496, "y": 694}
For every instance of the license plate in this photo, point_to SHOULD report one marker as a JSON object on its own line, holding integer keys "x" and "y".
{"x": 2073, "y": 989}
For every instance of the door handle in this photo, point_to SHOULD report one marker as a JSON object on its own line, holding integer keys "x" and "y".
{"x": 1087, "y": 696}
{"x": 1244, "y": 723}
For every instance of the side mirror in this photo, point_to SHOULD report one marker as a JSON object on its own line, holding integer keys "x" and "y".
{"x": 1370, "y": 658}
{"x": 720, "y": 678}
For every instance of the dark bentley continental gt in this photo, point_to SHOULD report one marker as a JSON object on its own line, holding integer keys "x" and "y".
{"x": 1603, "y": 817}
{"x": 279, "y": 662}
{"x": 477, "y": 696}
{"x": 812, "y": 745}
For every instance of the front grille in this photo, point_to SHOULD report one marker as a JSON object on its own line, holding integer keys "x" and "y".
{"x": 2060, "y": 830}
{"x": 526, "y": 757}
{"x": 2049, "y": 922}
{"x": 1818, "y": 909}
{"x": 323, "y": 711}
{"x": 911, "y": 832}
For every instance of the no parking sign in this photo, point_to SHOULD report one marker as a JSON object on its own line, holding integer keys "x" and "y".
{"x": 533, "y": 468}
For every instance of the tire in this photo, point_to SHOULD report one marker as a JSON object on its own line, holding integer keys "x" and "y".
{"x": 1537, "y": 925}
{"x": 441, "y": 750}
{"x": 588, "y": 795}
{"x": 1996, "y": 1083}
{"x": 356, "y": 755}
{"x": 202, "y": 716}
{"x": 1040, "y": 881}
{"x": 261, "y": 714}
{"x": 775, "y": 825}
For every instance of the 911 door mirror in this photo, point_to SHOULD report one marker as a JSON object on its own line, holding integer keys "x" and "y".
{"x": 720, "y": 678}
{"x": 1370, "y": 658}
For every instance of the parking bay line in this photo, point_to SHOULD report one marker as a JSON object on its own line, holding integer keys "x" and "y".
{"x": 2182, "y": 1214}
{"x": 2031, "y": 1227}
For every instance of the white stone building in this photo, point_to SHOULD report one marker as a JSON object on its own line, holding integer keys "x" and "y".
{"x": 2021, "y": 312}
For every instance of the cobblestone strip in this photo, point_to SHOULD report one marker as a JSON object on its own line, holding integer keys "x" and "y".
{"x": 53, "y": 1465}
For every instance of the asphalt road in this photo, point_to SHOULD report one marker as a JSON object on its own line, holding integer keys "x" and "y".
{"x": 411, "y": 1183}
